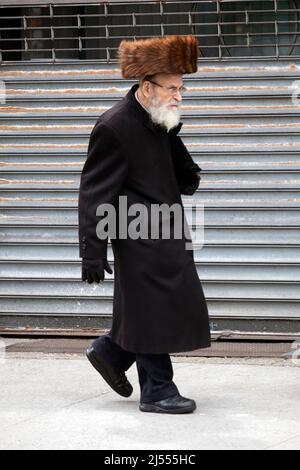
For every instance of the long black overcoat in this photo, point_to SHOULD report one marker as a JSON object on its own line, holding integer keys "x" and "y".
{"x": 158, "y": 305}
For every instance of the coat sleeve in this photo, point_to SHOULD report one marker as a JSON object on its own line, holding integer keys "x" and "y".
{"x": 103, "y": 175}
{"x": 186, "y": 169}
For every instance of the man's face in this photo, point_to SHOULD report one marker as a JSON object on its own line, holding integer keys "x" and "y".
{"x": 164, "y": 98}
{"x": 165, "y": 87}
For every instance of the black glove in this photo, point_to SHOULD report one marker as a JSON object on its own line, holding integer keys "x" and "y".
{"x": 93, "y": 269}
{"x": 190, "y": 179}
{"x": 185, "y": 168}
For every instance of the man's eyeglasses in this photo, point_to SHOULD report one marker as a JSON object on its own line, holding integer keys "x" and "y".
{"x": 172, "y": 89}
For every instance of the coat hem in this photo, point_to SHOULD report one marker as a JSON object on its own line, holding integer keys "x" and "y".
{"x": 165, "y": 351}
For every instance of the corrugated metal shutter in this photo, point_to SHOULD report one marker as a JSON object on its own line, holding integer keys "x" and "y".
{"x": 241, "y": 127}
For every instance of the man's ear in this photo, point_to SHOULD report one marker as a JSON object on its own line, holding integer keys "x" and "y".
{"x": 146, "y": 88}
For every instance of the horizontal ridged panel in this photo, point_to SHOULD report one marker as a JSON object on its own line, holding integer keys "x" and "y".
{"x": 75, "y": 289}
{"x": 227, "y": 235}
{"x": 216, "y": 198}
{"x": 209, "y": 179}
{"x": 102, "y": 306}
{"x": 217, "y": 271}
{"x": 213, "y": 217}
{"x": 215, "y": 253}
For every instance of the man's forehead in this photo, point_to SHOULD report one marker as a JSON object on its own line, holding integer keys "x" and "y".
{"x": 169, "y": 79}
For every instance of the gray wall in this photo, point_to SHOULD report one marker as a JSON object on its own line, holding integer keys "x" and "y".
{"x": 241, "y": 127}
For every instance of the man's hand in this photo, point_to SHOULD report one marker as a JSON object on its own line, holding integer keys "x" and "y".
{"x": 93, "y": 269}
{"x": 190, "y": 179}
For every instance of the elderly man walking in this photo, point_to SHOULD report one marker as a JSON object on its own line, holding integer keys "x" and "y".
{"x": 135, "y": 152}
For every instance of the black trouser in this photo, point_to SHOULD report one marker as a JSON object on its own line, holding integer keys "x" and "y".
{"x": 155, "y": 371}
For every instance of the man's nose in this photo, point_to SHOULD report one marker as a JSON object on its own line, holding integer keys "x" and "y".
{"x": 178, "y": 96}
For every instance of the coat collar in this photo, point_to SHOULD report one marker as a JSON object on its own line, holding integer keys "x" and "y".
{"x": 145, "y": 116}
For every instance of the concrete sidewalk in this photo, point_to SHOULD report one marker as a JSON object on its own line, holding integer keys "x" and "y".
{"x": 58, "y": 401}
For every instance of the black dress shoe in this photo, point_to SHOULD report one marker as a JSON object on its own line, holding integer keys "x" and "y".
{"x": 115, "y": 379}
{"x": 175, "y": 404}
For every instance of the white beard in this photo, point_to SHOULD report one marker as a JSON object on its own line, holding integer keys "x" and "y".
{"x": 161, "y": 114}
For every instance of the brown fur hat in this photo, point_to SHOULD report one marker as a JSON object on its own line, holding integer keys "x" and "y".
{"x": 170, "y": 54}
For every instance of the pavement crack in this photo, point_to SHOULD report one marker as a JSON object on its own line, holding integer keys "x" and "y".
{"x": 282, "y": 442}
